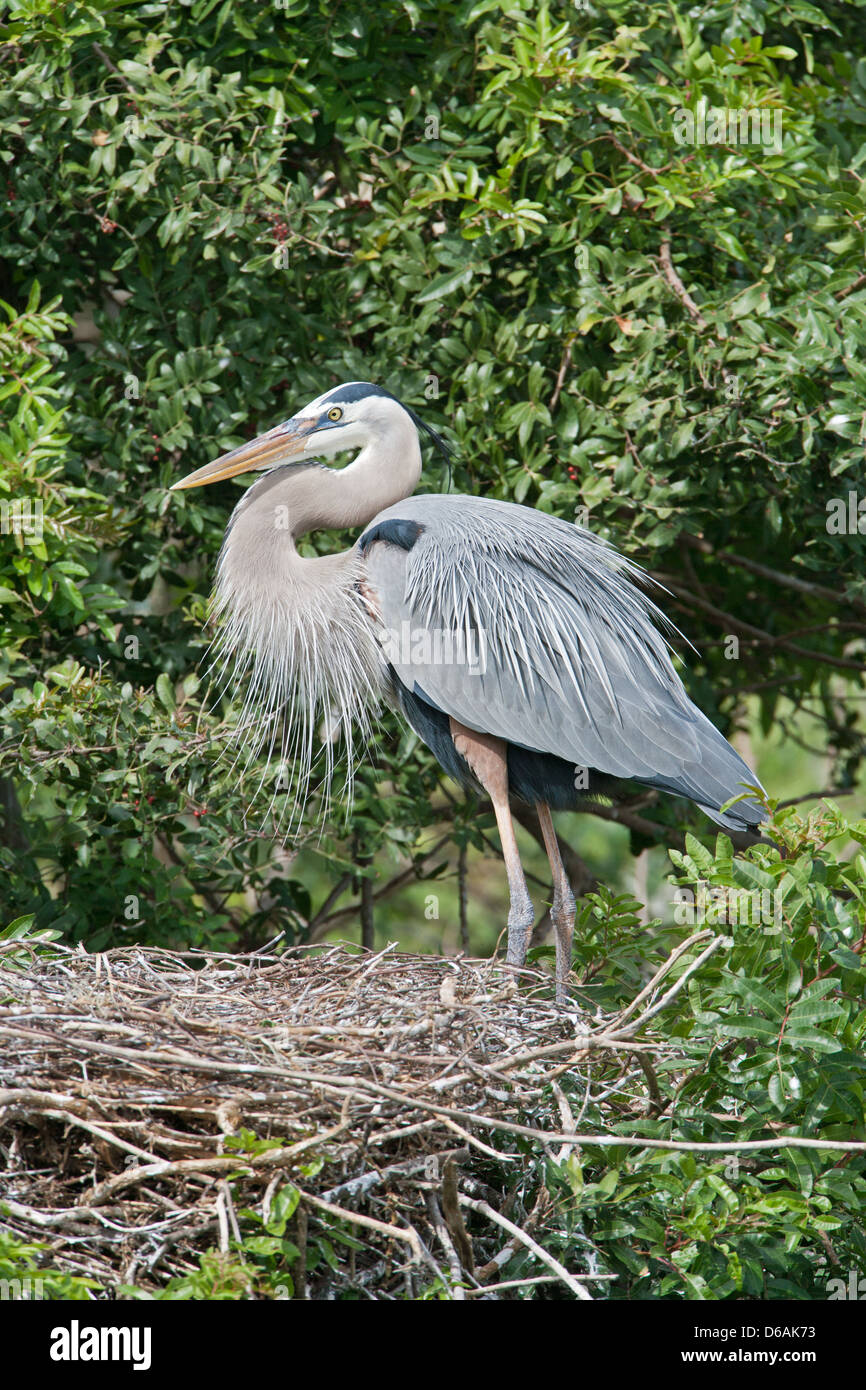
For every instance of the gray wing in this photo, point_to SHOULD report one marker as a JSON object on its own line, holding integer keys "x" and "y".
{"x": 520, "y": 625}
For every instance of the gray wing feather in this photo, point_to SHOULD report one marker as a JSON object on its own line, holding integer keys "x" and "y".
{"x": 569, "y": 658}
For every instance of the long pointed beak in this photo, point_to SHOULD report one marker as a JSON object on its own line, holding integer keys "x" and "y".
{"x": 284, "y": 442}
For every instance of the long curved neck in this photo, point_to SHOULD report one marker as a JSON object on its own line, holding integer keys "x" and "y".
{"x": 292, "y": 501}
{"x": 259, "y": 565}
{"x": 352, "y": 496}
{"x": 300, "y": 625}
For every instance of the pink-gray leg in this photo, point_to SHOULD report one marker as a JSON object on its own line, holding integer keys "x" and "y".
{"x": 488, "y": 759}
{"x": 563, "y": 905}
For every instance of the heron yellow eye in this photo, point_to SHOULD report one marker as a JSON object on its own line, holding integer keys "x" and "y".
{"x": 335, "y": 413}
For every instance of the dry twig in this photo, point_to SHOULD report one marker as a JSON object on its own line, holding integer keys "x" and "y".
{"x": 152, "y": 1100}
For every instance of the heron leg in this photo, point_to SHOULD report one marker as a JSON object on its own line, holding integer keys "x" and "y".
{"x": 563, "y": 905}
{"x": 488, "y": 759}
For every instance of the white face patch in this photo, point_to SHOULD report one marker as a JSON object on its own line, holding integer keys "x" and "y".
{"x": 363, "y": 419}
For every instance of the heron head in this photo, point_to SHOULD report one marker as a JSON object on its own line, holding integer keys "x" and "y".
{"x": 346, "y": 417}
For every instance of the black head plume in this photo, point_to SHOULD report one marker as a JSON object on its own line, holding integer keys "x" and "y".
{"x": 444, "y": 449}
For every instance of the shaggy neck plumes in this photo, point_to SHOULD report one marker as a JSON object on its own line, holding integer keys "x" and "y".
{"x": 298, "y": 626}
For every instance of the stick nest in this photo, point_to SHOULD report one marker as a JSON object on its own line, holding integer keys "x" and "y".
{"x": 152, "y": 1101}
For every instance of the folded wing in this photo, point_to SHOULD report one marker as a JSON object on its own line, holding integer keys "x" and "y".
{"x": 520, "y": 625}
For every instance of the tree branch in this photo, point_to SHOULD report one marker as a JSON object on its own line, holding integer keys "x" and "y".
{"x": 679, "y": 289}
{"x": 786, "y": 581}
{"x": 766, "y": 639}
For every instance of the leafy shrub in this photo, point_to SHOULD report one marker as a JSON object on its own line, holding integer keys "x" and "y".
{"x": 215, "y": 210}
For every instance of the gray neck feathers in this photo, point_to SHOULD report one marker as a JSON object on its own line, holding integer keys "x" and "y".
{"x": 298, "y": 627}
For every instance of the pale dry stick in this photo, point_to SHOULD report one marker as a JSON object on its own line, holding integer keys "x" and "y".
{"x": 103, "y": 956}
{"x": 407, "y": 1233}
{"x": 72, "y": 1023}
{"x": 487, "y": 1071}
{"x": 403, "y": 1132}
{"x": 193, "y": 1167}
{"x": 512, "y": 1284}
{"x": 230, "y": 1209}
{"x": 360, "y": 973}
{"x": 675, "y": 989}
{"x": 477, "y": 1143}
{"x": 509, "y": 1250}
{"x": 565, "y": 1116}
{"x": 222, "y": 1164}
{"x": 842, "y": 1146}
{"x": 71, "y": 1218}
{"x": 484, "y": 1209}
{"x": 68, "y": 1219}
{"x": 538, "y": 1279}
{"x": 40, "y": 1100}
{"x": 437, "y": 1221}
{"x": 620, "y": 1085}
{"x": 222, "y": 1220}
{"x": 269, "y": 1195}
{"x": 352, "y": 1187}
{"x": 168, "y": 1224}
{"x": 663, "y": 970}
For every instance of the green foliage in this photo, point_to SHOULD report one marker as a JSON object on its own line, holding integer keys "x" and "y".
{"x": 219, "y": 1278}
{"x": 213, "y": 210}
{"x": 763, "y": 1043}
{"x": 259, "y": 1265}
{"x": 32, "y": 941}
{"x": 23, "y": 1275}
{"x": 488, "y": 208}
{"x": 768, "y": 1041}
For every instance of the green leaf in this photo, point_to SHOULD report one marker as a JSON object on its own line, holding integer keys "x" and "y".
{"x": 165, "y": 692}
{"x": 443, "y": 285}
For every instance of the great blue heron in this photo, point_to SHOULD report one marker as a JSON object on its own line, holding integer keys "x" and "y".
{"x": 514, "y": 643}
